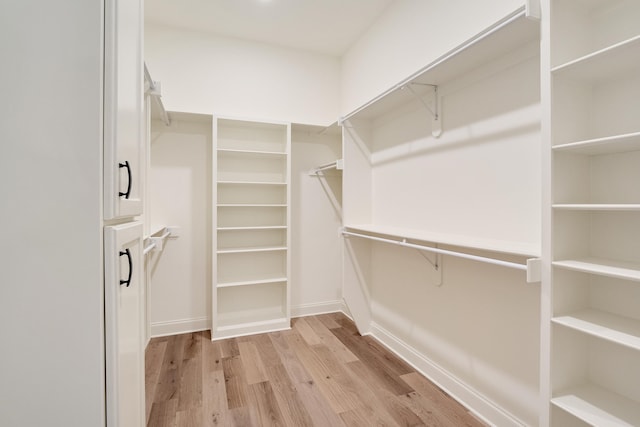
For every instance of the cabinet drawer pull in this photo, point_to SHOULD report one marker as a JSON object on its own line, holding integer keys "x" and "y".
{"x": 128, "y": 254}
{"x": 126, "y": 165}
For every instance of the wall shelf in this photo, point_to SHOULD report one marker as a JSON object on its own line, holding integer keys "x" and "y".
{"x": 597, "y": 206}
{"x": 616, "y": 329}
{"x": 532, "y": 265}
{"x": 266, "y": 227}
{"x": 252, "y": 249}
{"x": 603, "y": 267}
{"x": 252, "y": 282}
{"x": 507, "y": 35}
{"x": 605, "y": 145}
{"x": 224, "y": 151}
{"x": 251, "y": 183}
{"x": 513, "y": 248}
{"x": 598, "y": 407}
{"x": 606, "y": 63}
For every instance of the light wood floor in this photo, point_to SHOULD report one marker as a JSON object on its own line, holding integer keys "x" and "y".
{"x": 320, "y": 373}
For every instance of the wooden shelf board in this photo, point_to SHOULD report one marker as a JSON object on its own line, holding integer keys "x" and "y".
{"x": 252, "y": 250}
{"x": 246, "y": 326}
{"x": 617, "y": 329}
{"x": 602, "y": 267}
{"x": 605, "y": 145}
{"x": 599, "y": 407}
{"x": 597, "y": 206}
{"x": 514, "y": 248}
{"x": 252, "y": 282}
{"x": 250, "y": 183}
{"x": 605, "y": 63}
{"x": 266, "y": 227}
{"x": 252, "y": 152}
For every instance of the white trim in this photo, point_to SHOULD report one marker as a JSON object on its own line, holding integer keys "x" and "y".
{"x": 180, "y": 326}
{"x": 315, "y": 308}
{"x": 482, "y": 407}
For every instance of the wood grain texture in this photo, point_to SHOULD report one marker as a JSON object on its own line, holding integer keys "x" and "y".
{"x": 319, "y": 373}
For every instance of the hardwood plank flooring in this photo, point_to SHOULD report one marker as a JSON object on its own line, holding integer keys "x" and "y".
{"x": 319, "y": 373}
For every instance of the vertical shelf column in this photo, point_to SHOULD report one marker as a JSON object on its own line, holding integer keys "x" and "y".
{"x": 595, "y": 212}
{"x": 251, "y": 260}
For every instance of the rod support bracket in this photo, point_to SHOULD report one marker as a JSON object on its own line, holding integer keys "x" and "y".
{"x": 534, "y": 270}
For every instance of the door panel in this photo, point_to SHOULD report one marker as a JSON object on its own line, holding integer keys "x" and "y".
{"x": 123, "y": 325}
{"x": 124, "y": 108}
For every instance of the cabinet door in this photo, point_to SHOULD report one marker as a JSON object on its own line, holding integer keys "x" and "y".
{"x": 123, "y": 325}
{"x": 123, "y": 109}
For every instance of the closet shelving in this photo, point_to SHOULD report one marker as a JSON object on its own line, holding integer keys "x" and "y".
{"x": 505, "y": 36}
{"x": 595, "y": 137}
{"x": 252, "y": 215}
{"x": 509, "y": 34}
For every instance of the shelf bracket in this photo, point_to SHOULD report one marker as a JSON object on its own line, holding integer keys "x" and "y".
{"x": 436, "y": 113}
{"x": 435, "y": 263}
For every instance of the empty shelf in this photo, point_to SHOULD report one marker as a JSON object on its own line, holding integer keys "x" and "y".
{"x": 252, "y": 282}
{"x": 251, "y": 152}
{"x": 597, "y": 206}
{"x": 607, "y": 326}
{"x": 599, "y": 407}
{"x": 603, "y": 64}
{"x": 265, "y": 227}
{"x": 251, "y": 250}
{"x": 605, "y": 145}
{"x": 251, "y": 183}
{"x": 603, "y": 267}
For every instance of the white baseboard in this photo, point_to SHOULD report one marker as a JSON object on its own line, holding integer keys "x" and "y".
{"x": 181, "y": 326}
{"x": 318, "y": 308}
{"x": 477, "y": 403}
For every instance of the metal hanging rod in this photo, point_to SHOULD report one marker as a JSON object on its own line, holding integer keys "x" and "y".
{"x": 338, "y": 164}
{"x": 531, "y": 267}
{"x": 153, "y": 89}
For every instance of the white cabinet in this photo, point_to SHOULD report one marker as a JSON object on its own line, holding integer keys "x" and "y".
{"x": 252, "y": 240}
{"x": 595, "y": 215}
{"x": 124, "y": 325}
{"x": 124, "y": 131}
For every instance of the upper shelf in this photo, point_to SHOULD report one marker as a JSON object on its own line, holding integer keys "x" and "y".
{"x": 605, "y": 63}
{"x": 506, "y": 35}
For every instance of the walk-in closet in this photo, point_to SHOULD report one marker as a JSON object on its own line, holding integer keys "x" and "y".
{"x": 320, "y": 213}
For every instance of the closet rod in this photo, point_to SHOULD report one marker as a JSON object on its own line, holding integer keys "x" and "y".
{"x": 440, "y": 251}
{"x": 333, "y": 165}
{"x": 149, "y": 248}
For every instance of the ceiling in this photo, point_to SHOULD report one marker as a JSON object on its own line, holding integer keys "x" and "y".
{"x": 324, "y": 26}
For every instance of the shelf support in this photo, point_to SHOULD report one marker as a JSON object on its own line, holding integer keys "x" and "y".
{"x": 436, "y": 124}
{"x": 436, "y": 264}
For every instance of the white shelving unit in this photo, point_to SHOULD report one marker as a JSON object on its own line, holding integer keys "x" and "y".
{"x": 252, "y": 216}
{"x": 595, "y": 218}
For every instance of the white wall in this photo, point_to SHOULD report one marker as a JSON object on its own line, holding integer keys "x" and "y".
{"x": 51, "y": 288}
{"x": 211, "y": 74}
{"x": 180, "y": 195}
{"x": 316, "y": 216}
{"x": 480, "y": 179}
{"x": 408, "y": 36}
